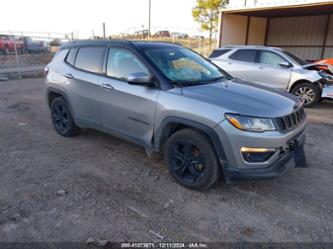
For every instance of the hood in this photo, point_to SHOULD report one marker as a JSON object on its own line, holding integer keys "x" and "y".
{"x": 313, "y": 64}
{"x": 324, "y": 70}
{"x": 319, "y": 66}
{"x": 245, "y": 98}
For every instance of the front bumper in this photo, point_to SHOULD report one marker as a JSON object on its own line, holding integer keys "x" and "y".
{"x": 291, "y": 159}
{"x": 289, "y": 153}
{"x": 327, "y": 92}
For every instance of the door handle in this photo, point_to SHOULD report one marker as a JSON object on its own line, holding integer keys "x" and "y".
{"x": 107, "y": 87}
{"x": 69, "y": 76}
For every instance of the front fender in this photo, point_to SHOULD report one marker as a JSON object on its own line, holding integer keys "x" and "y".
{"x": 210, "y": 132}
{"x": 299, "y": 75}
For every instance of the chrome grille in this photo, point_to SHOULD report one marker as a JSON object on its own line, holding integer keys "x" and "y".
{"x": 292, "y": 120}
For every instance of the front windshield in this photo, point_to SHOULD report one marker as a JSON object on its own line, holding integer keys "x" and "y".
{"x": 182, "y": 66}
{"x": 295, "y": 58}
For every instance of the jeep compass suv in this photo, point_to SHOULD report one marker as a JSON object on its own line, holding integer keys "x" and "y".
{"x": 169, "y": 99}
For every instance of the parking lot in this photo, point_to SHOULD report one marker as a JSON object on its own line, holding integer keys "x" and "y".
{"x": 97, "y": 186}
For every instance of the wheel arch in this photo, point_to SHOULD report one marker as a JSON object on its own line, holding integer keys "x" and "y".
{"x": 301, "y": 81}
{"x": 53, "y": 93}
{"x": 172, "y": 124}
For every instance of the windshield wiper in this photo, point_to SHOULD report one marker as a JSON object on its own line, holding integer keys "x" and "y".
{"x": 184, "y": 82}
{"x": 195, "y": 82}
{"x": 212, "y": 80}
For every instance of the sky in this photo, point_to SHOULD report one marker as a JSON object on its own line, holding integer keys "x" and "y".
{"x": 83, "y": 16}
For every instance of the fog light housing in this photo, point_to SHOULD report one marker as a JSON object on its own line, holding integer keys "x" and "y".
{"x": 257, "y": 155}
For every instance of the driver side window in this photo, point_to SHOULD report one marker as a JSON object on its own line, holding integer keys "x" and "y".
{"x": 122, "y": 62}
{"x": 270, "y": 58}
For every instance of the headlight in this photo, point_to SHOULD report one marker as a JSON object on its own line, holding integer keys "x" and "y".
{"x": 250, "y": 123}
{"x": 326, "y": 76}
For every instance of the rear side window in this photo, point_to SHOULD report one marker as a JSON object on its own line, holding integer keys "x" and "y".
{"x": 70, "y": 59}
{"x": 218, "y": 52}
{"x": 247, "y": 55}
{"x": 90, "y": 59}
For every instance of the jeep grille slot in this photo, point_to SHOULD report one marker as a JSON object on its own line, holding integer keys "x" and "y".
{"x": 291, "y": 121}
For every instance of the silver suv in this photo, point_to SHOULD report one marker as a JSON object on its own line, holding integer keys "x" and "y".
{"x": 273, "y": 67}
{"x": 169, "y": 99}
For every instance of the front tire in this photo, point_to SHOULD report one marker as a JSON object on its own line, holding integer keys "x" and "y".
{"x": 308, "y": 93}
{"x": 191, "y": 159}
{"x": 62, "y": 119}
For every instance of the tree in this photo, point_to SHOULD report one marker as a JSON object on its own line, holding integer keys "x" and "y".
{"x": 207, "y": 14}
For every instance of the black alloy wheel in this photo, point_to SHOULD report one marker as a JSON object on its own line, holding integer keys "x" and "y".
{"x": 62, "y": 119}
{"x": 191, "y": 159}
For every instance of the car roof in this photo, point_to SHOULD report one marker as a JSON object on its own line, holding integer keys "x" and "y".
{"x": 109, "y": 42}
{"x": 248, "y": 47}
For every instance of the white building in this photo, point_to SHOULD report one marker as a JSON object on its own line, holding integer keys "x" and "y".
{"x": 302, "y": 26}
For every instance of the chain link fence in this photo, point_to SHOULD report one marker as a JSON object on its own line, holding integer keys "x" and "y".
{"x": 199, "y": 44}
{"x": 26, "y": 54}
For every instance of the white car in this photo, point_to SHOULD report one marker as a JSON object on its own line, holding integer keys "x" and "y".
{"x": 276, "y": 68}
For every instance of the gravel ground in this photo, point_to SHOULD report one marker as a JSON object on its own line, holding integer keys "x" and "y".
{"x": 94, "y": 185}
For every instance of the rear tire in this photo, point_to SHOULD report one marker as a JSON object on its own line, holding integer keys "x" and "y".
{"x": 309, "y": 93}
{"x": 191, "y": 159}
{"x": 62, "y": 118}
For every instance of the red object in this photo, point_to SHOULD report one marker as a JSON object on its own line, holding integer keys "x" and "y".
{"x": 325, "y": 61}
{"x": 8, "y": 42}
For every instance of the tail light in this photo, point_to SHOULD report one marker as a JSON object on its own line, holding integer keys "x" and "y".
{"x": 46, "y": 71}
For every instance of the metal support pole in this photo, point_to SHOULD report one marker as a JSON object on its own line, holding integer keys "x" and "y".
{"x": 328, "y": 21}
{"x": 149, "y": 19}
{"x": 104, "y": 35}
{"x": 16, "y": 57}
{"x": 200, "y": 47}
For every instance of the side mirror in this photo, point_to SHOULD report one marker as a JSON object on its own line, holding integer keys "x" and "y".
{"x": 140, "y": 78}
{"x": 285, "y": 64}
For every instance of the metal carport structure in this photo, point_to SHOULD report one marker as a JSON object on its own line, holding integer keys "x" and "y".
{"x": 306, "y": 29}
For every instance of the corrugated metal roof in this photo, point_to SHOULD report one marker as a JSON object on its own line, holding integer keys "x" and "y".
{"x": 267, "y": 3}
{"x": 325, "y": 7}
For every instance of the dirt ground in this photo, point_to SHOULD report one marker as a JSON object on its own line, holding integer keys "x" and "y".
{"x": 94, "y": 185}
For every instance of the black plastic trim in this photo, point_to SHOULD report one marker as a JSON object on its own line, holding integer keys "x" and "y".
{"x": 277, "y": 169}
{"x": 293, "y": 158}
{"x": 205, "y": 129}
{"x": 55, "y": 90}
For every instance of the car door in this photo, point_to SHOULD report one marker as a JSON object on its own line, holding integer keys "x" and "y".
{"x": 84, "y": 86}
{"x": 127, "y": 109}
{"x": 273, "y": 70}
{"x": 242, "y": 64}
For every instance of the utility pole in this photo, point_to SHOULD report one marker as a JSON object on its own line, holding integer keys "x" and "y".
{"x": 149, "y": 19}
{"x": 16, "y": 56}
{"x": 104, "y": 30}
